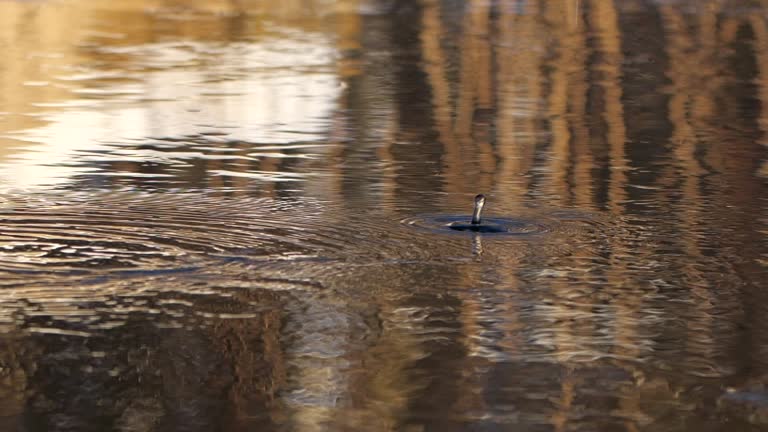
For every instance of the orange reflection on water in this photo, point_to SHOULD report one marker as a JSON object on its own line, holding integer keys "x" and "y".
{"x": 307, "y": 131}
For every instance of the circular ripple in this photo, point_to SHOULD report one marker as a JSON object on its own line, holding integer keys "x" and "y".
{"x": 75, "y": 233}
{"x": 149, "y": 231}
{"x": 492, "y": 225}
{"x": 569, "y": 227}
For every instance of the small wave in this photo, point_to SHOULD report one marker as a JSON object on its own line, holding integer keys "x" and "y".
{"x": 76, "y": 233}
{"x": 497, "y": 226}
{"x": 552, "y": 223}
{"x": 146, "y": 230}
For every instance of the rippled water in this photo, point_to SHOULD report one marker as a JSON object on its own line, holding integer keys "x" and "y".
{"x": 236, "y": 215}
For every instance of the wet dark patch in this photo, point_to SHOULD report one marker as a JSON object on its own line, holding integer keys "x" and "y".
{"x": 478, "y": 228}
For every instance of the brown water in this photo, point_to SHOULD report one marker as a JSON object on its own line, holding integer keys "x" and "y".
{"x": 232, "y": 215}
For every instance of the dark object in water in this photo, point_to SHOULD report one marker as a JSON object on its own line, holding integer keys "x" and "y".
{"x": 476, "y": 225}
{"x": 476, "y": 214}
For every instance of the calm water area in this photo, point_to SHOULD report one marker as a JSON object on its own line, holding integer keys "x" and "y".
{"x": 232, "y": 215}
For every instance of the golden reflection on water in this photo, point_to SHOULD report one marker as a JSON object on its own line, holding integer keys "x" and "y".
{"x": 347, "y": 117}
{"x": 76, "y": 88}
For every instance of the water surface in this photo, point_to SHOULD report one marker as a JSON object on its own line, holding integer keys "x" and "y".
{"x": 226, "y": 216}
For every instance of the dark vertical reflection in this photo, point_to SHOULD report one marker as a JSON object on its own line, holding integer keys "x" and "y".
{"x": 644, "y": 79}
{"x": 415, "y": 149}
{"x": 750, "y": 268}
{"x": 143, "y": 376}
{"x": 272, "y": 280}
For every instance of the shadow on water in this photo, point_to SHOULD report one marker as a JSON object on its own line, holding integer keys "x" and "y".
{"x": 222, "y": 215}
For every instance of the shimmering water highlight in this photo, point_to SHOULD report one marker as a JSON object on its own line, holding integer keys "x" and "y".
{"x": 237, "y": 215}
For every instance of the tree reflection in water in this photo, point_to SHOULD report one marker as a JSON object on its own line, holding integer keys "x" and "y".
{"x": 202, "y": 211}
